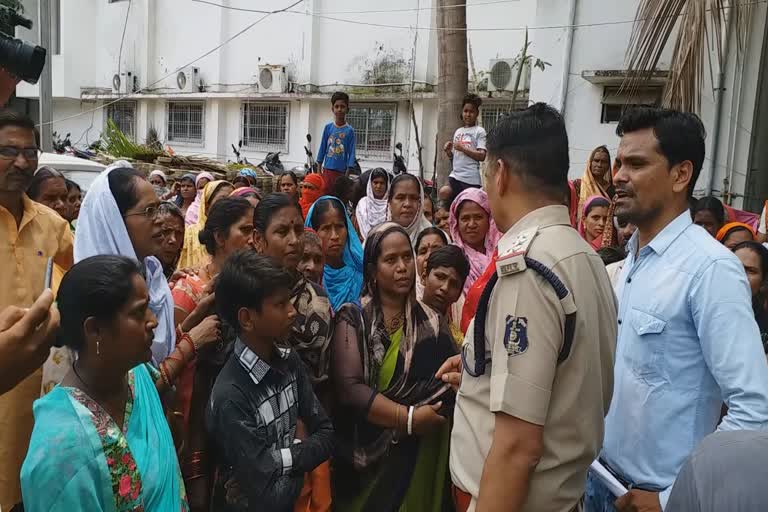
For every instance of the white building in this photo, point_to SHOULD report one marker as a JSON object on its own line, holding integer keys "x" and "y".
{"x": 385, "y": 55}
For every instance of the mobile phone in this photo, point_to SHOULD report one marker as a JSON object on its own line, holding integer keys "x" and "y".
{"x": 48, "y": 274}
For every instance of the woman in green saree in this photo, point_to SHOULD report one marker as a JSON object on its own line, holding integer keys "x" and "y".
{"x": 393, "y": 436}
{"x": 101, "y": 441}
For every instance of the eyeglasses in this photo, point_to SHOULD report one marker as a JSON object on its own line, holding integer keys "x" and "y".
{"x": 149, "y": 212}
{"x": 12, "y": 153}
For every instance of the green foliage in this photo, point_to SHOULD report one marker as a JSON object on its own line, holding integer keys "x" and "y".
{"x": 116, "y": 144}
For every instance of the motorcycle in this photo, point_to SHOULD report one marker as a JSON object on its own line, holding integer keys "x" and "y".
{"x": 310, "y": 165}
{"x": 272, "y": 164}
{"x": 398, "y": 166}
{"x": 237, "y": 150}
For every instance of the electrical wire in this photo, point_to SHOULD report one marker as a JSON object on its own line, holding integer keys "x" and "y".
{"x": 466, "y": 29}
{"x": 122, "y": 38}
{"x": 385, "y": 11}
{"x": 127, "y": 96}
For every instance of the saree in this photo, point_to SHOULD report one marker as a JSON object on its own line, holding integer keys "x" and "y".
{"x": 378, "y": 469}
{"x": 193, "y": 253}
{"x": 346, "y": 283}
{"x": 312, "y": 328}
{"x": 371, "y": 212}
{"x": 84, "y": 461}
{"x": 309, "y": 196}
{"x": 193, "y": 212}
{"x": 419, "y": 222}
{"x": 597, "y": 242}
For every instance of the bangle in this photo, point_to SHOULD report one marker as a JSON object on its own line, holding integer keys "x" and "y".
{"x": 164, "y": 374}
{"x": 410, "y": 420}
{"x": 187, "y": 337}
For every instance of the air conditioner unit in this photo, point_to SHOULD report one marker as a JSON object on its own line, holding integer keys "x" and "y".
{"x": 123, "y": 83}
{"x": 273, "y": 78}
{"x": 188, "y": 79}
{"x": 503, "y": 73}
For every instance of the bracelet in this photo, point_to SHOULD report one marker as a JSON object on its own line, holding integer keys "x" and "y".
{"x": 410, "y": 420}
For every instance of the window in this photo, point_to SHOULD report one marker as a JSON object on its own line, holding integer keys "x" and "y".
{"x": 265, "y": 126}
{"x": 186, "y": 122}
{"x": 616, "y": 100}
{"x": 374, "y": 129}
{"x": 491, "y": 113}
{"x": 123, "y": 114}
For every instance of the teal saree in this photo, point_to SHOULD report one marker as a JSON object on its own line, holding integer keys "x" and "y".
{"x": 79, "y": 459}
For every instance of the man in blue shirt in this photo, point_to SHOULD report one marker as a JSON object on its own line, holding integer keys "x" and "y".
{"x": 687, "y": 338}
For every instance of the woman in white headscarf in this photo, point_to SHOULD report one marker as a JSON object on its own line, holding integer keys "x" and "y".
{"x": 405, "y": 206}
{"x": 372, "y": 209}
{"x": 118, "y": 217}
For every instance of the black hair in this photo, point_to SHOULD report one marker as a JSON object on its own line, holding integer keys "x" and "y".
{"x": 735, "y": 229}
{"x": 242, "y": 179}
{"x": 400, "y": 178}
{"x": 269, "y": 206}
{"x": 339, "y": 95}
{"x": 245, "y": 281}
{"x": 680, "y": 135}
{"x": 343, "y": 188}
{"x": 322, "y": 207}
{"x": 611, "y": 255}
{"x": 122, "y": 184}
{"x": 95, "y": 287}
{"x": 42, "y": 175}
{"x": 371, "y": 254}
{"x": 378, "y": 172}
{"x": 312, "y": 237}
{"x": 72, "y": 185}
{"x": 600, "y": 202}
{"x": 223, "y": 215}
{"x": 432, "y": 230}
{"x": 758, "y": 249}
{"x": 293, "y": 176}
{"x": 534, "y": 144}
{"x": 472, "y": 99}
{"x": 450, "y": 256}
{"x": 711, "y": 204}
{"x": 10, "y": 117}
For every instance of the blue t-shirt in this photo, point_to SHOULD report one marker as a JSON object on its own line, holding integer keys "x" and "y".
{"x": 337, "y": 147}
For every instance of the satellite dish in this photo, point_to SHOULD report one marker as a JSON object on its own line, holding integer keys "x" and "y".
{"x": 116, "y": 82}
{"x": 181, "y": 80}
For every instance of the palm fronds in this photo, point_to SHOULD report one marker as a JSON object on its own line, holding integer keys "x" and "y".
{"x": 697, "y": 20}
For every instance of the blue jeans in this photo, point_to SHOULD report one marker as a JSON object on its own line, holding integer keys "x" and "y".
{"x": 597, "y": 497}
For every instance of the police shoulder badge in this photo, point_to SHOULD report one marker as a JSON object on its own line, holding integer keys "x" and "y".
{"x": 516, "y": 335}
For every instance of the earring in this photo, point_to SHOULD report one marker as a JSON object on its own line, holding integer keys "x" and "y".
{"x": 97, "y": 347}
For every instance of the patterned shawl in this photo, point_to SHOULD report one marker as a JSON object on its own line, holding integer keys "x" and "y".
{"x": 312, "y": 329}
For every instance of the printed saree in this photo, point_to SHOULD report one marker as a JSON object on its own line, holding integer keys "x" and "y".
{"x": 79, "y": 459}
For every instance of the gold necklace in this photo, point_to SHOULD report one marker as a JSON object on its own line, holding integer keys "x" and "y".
{"x": 395, "y": 323}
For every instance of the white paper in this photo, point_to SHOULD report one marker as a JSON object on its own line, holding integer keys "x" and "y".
{"x": 608, "y": 479}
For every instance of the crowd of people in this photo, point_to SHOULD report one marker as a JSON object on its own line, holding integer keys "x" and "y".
{"x": 359, "y": 345}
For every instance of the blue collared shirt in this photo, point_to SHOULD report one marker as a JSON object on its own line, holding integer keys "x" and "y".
{"x": 687, "y": 342}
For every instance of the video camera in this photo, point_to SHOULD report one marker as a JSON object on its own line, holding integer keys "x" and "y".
{"x": 20, "y": 59}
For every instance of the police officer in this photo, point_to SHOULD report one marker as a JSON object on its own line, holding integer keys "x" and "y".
{"x": 537, "y": 367}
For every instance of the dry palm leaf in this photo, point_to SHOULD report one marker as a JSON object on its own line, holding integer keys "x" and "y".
{"x": 696, "y": 20}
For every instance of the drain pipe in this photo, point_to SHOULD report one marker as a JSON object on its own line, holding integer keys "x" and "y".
{"x": 567, "y": 56}
{"x": 720, "y": 90}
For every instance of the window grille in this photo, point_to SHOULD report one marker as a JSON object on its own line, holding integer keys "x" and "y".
{"x": 265, "y": 126}
{"x": 186, "y": 122}
{"x": 123, "y": 114}
{"x": 374, "y": 129}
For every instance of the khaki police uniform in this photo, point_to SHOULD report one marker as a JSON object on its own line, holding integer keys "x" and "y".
{"x": 524, "y": 336}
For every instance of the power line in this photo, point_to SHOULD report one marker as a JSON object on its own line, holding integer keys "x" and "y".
{"x": 148, "y": 86}
{"x": 467, "y": 29}
{"x": 384, "y": 11}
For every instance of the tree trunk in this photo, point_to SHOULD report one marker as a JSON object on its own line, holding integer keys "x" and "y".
{"x": 453, "y": 74}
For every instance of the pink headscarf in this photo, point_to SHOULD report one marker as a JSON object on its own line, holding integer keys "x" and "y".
{"x": 193, "y": 211}
{"x": 477, "y": 260}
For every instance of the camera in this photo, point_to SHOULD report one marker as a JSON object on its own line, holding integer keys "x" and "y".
{"x": 20, "y": 59}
